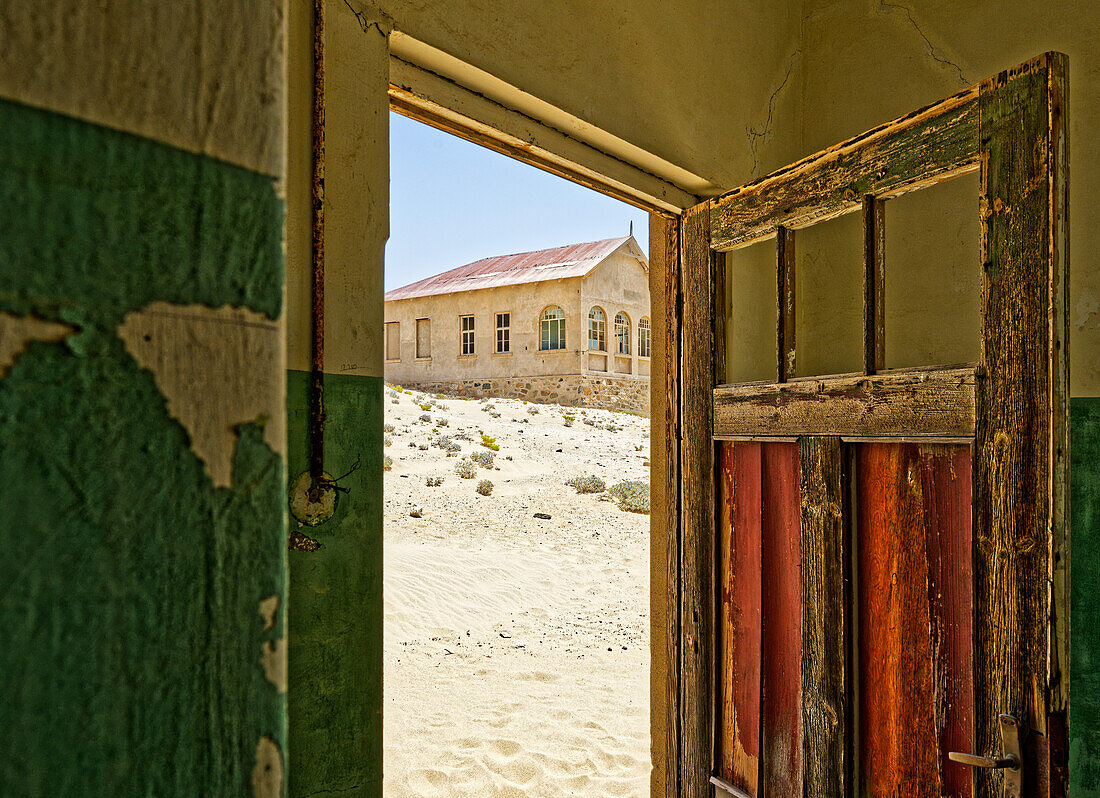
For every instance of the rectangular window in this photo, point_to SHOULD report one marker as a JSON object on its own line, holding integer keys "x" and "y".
{"x": 423, "y": 337}
{"x": 504, "y": 324}
{"x": 466, "y": 325}
{"x": 393, "y": 340}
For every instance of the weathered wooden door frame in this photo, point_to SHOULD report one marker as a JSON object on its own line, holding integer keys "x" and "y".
{"x": 1011, "y": 128}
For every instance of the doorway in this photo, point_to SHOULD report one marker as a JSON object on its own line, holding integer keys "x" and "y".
{"x": 515, "y": 516}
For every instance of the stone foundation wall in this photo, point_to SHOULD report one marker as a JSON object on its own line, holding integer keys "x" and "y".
{"x": 609, "y": 393}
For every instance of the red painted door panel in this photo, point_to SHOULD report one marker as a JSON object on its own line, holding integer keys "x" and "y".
{"x": 911, "y": 605}
{"x": 759, "y": 619}
{"x": 913, "y": 550}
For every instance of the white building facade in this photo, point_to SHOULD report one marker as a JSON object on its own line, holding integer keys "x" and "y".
{"x": 568, "y": 325}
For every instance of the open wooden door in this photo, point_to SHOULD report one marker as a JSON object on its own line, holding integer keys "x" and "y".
{"x": 874, "y": 566}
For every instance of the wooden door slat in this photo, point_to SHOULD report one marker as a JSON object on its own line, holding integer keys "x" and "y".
{"x": 929, "y": 402}
{"x": 664, "y": 270}
{"x": 945, "y": 472}
{"x": 697, "y": 542}
{"x": 785, "y": 293}
{"x": 874, "y": 284}
{"x": 921, "y": 148}
{"x": 739, "y": 610}
{"x": 1021, "y": 442}
{"x": 824, "y": 635}
{"x": 781, "y": 635}
{"x": 915, "y": 616}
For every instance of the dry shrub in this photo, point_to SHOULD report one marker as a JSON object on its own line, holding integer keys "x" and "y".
{"x": 485, "y": 487}
{"x": 483, "y": 459}
{"x": 589, "y": 484}
{"x": 632, "y": 496}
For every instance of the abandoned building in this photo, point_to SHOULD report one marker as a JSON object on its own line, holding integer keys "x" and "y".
{"x": 568, "y": 325}
{"x": 192, "y": 319}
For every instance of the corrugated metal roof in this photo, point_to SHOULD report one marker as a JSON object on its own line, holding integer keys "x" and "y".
{"x": 574, "y": 260}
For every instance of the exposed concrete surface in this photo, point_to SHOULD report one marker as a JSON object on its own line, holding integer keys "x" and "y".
{"x": 218, "y": 368}
{"x": 16, "y": 332}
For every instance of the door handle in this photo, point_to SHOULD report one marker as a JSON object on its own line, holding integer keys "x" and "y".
{"x": 975, "y": 761}
{"x": 1011, "y": 761}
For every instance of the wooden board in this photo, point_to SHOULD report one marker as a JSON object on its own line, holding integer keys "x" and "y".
{"x": 928, "y": 145}
{"x": 698, "y": 530}
{"x": 825, "y": 703}
{"x": 915, "y": 625}
{"x": 785, "y": 293}
{"x": 739, "y": 615}
{"x": 946, "y": 496}
{"x": 913, "y": 403}
{"x": 664, "y": 275}
{"x": 1021, "y": 444}
{"x": 781, "y": 634}
{"x": 874, "y": 285}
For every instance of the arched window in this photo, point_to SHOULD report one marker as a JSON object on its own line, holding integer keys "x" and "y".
{"x": 622, "y": 333}
{"x": 552, "y": 329}
{"x": 597, "y": 330}
{"x": 643, "y": 336}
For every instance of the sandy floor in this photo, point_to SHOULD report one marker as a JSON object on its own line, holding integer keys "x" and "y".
{"x": 516, "y": 648}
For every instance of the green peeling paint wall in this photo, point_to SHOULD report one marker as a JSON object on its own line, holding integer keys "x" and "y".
{"x": 1084, "y": 751}
{"x": 129, "y": 585}
{"x": 335, "y": 704}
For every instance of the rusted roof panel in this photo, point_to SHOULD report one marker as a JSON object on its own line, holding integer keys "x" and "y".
{"x": 574, "y": 260}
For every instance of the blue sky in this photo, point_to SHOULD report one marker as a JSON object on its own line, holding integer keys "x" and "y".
{"x": 452, "y": 202}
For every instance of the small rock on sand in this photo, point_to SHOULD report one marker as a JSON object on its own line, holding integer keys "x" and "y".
{"x": 543, "y": 516}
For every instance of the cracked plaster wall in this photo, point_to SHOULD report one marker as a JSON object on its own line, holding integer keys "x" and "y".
{"x": 142, "y": 480}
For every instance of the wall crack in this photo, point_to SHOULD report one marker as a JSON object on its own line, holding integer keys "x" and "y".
{"x": 383, "y": 25}
{"x": 928, "y": 42}
{"x": 760, "y": 134}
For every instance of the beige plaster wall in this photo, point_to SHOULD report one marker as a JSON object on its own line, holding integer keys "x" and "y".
{"x": 525, "y": 302}
{"x": 356, "y": 186}
{"x": 696, "y": 83}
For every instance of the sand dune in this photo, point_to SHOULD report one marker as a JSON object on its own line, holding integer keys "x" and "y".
{"x": 516, "y": 648}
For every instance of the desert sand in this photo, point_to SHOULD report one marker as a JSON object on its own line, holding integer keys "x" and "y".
{"x": 516, "y": 648}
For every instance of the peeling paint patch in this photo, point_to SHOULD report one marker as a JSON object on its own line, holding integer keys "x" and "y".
{"x": 274, "y": 662}
{"x": 217, "y": 368}
{"x": 268, "y": 607}
{"x": 267, "y": 773}
{"x": 1087, "y": 307}
{"x": 18, "y": 331}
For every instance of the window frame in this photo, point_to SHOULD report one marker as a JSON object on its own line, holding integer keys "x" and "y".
{"x": 463, "y": 332}
{"x": 506, "y": 328}
{"x": 644, "y": 324}
{"x": 417, "y": 342}
{"x": 600, "y": 329}
{"x": 396, "y": 327}
{"x": 622, "y": 334}
{"x": 559, "y": 321}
